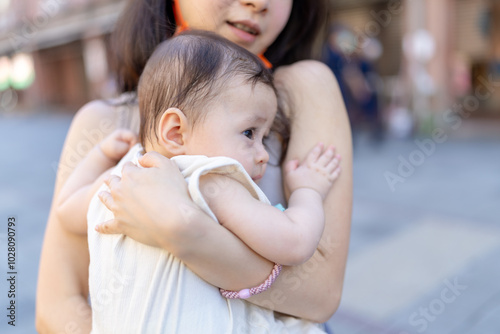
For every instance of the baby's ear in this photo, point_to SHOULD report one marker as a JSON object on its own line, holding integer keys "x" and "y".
{"x": 172, "y": 130}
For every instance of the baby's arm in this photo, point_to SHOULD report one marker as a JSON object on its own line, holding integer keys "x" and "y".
{"x": 74, "y": 197}
{"x": 290, "y": 237}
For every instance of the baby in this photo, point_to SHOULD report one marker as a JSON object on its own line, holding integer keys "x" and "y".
{"x": 207, "y": 104}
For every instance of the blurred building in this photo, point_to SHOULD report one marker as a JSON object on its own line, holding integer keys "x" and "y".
{"x": 428, "y": 55}
{"x": 63, "y": 47}
{"x": 435, "y": 56}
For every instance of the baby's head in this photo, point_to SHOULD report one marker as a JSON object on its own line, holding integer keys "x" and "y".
{"x": 201, "y": 94}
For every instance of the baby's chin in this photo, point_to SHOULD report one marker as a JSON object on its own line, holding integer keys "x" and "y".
{"x": 257, "y": 179}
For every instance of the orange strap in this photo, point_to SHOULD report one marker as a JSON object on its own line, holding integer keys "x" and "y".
{"x": 183, "y": 26}
{"x": 266, "y": 62}
{"x": 179, "y": 20}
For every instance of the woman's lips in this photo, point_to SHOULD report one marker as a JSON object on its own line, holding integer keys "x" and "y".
{"x": 246, "y": 31}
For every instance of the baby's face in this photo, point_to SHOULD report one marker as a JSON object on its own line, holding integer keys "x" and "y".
{"x": 235, "y": 126}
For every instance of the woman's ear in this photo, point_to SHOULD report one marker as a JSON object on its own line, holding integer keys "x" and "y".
{"x": 172, "y": 130}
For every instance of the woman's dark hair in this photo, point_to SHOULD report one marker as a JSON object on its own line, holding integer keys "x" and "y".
{"x": 305, "y": 27}
{"x": 144, "y": 24}
{"x": 189, "y": 71}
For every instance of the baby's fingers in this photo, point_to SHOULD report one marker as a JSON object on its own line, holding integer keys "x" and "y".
{"x": 314, "y": 154}
{"x": 326, "y": 157}
{"x": 334, "y": 174}
{"x": 124, "y": 141}
{"x": 291, "y": 165}
{"x": 127, "y": 136}
{"x": 333, "y": 168}
{"x": 333, "y": 164}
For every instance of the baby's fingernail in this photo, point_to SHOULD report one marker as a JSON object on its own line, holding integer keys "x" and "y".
{"x": 96, "y": 228}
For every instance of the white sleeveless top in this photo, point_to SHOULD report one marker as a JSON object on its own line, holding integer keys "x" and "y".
{"x": 135, "y": 288}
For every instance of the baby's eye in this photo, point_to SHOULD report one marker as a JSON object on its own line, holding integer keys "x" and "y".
{"x": 249, "y": 133}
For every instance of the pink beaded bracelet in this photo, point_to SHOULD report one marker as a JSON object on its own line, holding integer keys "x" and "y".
{"x": 246, "y": 293}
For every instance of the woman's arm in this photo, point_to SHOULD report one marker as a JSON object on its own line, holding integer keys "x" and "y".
{"x": 317, "y": 113}
{"x": 61, "y": 301}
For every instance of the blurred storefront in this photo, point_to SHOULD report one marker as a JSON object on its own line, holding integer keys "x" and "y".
{"x": 65, "y": 41}
{"x": 434, "y": 58}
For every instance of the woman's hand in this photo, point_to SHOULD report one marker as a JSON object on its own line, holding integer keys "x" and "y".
{"x": 149, "y": 204}
{"x": 152, "y": 206}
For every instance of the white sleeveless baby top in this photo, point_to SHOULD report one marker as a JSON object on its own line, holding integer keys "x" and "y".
{"x": 135, "y": 288}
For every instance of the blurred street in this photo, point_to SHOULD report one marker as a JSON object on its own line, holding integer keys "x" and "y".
{"x": 423, "y": 258}
{"x": 425, "y": 238}
{"x": 30, "y": 144}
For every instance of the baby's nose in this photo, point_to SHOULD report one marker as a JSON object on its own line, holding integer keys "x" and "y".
{"x": 262, "y": 156}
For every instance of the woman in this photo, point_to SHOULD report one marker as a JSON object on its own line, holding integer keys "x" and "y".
{"x": 313, "y": 103}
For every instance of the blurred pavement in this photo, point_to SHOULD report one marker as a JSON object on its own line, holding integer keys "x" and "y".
{"x": 424, "y": 258}
{"x": 30, "y": 145}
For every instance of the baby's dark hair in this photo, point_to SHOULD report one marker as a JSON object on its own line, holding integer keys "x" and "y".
{"x": 188, "y": 71}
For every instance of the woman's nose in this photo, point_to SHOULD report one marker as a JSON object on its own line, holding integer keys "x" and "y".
{"x": 257, "y": 5}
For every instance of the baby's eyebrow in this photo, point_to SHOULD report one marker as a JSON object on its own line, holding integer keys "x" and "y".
{"x": 257, "y": 119}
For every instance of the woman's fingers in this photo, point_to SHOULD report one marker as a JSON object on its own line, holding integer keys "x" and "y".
{"x": 111, "y": 226}
{"x": 108, "y": 227}
{"x": 112, "y": 181}
{"x": 127, "y": 169}
{"x": 151, "y": 159}
{"x": 106, "y": 199}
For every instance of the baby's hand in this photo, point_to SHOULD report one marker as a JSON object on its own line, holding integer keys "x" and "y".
{"x": 317, "y": 171}
{"x": 117, "y": 144}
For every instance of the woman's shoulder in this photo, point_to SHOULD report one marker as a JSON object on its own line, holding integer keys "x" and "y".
{"x": 306, "y": 82}
{"x": 106, "y": 112}
{"x": 305, "y": 70}
{"x": 105, "y": 107}
{"x": 94, "y": 109}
